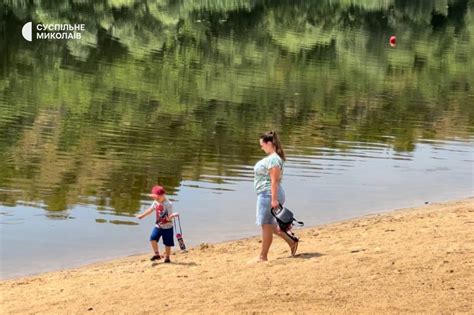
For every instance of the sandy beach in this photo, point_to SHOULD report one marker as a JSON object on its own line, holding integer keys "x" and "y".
{"x": 408, "y": 260}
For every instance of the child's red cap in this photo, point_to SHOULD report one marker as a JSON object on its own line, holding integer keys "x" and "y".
{"x": 157, "y": 190}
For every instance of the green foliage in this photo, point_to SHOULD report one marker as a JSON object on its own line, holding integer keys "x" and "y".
{"x": 160, "y": 91}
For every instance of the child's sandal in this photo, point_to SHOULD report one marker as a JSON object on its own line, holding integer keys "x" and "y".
{"x": 155, "y": 257}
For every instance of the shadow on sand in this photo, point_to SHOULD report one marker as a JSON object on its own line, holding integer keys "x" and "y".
{"x": 304, "y": 256}
{"x": 175, "y": 263}
{"x": 308, "y": 255}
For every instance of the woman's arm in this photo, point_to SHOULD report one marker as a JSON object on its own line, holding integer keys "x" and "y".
{"x": 275, "y": 173}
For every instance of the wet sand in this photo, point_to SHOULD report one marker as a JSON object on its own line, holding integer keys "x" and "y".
{"x": 409, "y": 260}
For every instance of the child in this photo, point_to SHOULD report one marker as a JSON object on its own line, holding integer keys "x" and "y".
{"x": 164, "y": 226}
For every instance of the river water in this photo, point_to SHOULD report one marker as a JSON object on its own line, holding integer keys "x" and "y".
{"x": 178, "y": 93}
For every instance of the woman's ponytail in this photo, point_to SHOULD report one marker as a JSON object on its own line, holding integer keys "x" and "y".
{"x": 273, "y": 137}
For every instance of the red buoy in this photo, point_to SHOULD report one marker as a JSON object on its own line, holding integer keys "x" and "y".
{"x": 393, "y": 41}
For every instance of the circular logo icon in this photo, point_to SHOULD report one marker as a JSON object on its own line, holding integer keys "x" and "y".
{"x": 27, "y": 31}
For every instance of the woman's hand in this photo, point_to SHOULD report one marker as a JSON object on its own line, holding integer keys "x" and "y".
{"x": 275, "y": 204}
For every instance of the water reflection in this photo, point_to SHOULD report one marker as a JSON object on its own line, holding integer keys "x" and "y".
{"x": 184, "y": 95}
{"x": 177, "y": 92}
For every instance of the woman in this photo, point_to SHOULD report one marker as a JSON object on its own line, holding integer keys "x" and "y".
{"x": 270, "y": 194}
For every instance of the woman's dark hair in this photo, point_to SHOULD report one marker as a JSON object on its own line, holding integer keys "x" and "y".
{"x": 272, "y": 136}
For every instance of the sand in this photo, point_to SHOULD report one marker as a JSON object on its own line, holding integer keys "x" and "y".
{"x": 409, "y": 260}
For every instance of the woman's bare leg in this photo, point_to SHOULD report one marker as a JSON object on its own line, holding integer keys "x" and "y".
{"x": 267, "y": 238}
{"x": 286, "y": 238}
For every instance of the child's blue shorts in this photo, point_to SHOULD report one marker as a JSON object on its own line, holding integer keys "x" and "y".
{"x": 167, "y": 234}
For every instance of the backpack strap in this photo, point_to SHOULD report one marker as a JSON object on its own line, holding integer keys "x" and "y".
{"x": 292, "y": 236}
{"x": 300, "y": 223}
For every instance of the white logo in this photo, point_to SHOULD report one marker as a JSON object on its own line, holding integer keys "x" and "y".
{"x": 27, "y": 31}
{"x": 52, "y": 31}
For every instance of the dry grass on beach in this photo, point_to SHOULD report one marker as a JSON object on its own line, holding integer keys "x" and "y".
{"x": 410, "y": 260}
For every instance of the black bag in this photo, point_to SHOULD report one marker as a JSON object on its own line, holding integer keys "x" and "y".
{"x": 285, "y": 219}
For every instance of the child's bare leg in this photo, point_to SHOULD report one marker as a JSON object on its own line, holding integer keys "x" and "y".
{"x": 154, "y": 245}
{"x": 167, "y": 254}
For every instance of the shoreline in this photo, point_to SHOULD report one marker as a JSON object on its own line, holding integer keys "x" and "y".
{"x": 112, "y": 257}
{"x": 410, "y": 259}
